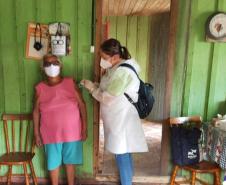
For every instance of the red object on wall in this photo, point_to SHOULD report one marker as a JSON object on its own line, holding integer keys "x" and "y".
{"x": 106, "y": 30}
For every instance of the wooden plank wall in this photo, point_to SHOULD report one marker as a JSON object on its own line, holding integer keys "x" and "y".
{"x": 18, "y": 75}
{"x": 199, "y": 64}
{"x": 199, "y": 72}
{"x": 133, "y": 32}
{"x": 159, "y": 36}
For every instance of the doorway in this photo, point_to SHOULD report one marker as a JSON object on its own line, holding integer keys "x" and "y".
{"x": 146, "y": 38}
{"x": 155, "y": 120}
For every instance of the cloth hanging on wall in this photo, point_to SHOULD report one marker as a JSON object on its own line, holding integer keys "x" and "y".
{"x": 37, "y": 41}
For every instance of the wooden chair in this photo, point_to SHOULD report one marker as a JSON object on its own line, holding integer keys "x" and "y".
{"x": 19, "y": 145}
{"x": 201, "y": 167}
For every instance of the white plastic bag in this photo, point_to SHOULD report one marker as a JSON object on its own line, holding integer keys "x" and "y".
{"x": 58, "y": 42}
{"x": 58, "y": 45}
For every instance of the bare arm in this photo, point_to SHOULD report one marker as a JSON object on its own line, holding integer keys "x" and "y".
{"x": 83, "y": 111}
{"x": 36, "y": 119}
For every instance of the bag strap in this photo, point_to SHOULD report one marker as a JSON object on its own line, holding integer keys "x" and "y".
{"x": 38, "y": 26}
{"x": 59, "y": 30}
{"x": 128, "y": 97}
{"x": 132, "y": 68}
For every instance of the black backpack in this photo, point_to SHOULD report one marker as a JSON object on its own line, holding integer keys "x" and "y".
{"x": 145, "y": 97}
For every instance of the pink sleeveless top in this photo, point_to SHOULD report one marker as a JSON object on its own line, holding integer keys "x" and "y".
{"x": 60, "y": 117}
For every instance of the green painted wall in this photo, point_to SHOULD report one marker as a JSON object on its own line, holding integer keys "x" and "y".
{"x": 18, "y": 75}
{"x": 200, "y": 65}
{"x": 133, "y": 32}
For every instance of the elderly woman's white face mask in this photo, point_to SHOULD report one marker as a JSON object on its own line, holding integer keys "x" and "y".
{"x": 52, "y": 70}
{"x": 52, "y": 67}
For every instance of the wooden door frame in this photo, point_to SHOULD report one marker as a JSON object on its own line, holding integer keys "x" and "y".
{"x": 96, "y": 108}
{"x": 169, "y": 83}
{"x": 165, "y": 145}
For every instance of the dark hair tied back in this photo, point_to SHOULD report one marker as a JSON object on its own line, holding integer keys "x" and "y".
{"x": 125, "y": 53}
{"x": 112, "y": 47}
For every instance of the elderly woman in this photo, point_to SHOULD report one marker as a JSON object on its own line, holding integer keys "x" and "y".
{"x": 59, "y": 120}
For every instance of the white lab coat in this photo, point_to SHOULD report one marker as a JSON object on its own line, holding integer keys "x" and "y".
{"x": 123, "y": 131}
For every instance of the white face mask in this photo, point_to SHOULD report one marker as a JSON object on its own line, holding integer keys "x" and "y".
{"x": 52, "y": 70}
{"x": 105, "y": 64}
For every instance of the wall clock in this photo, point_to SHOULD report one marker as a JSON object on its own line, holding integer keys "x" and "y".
{"x": 216, "y": 27}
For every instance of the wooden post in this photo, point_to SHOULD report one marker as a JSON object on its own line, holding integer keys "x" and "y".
{"x": 98, "y": 36}
{"x": 169, "y": 84}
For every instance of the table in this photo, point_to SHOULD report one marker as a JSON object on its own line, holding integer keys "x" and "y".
{"x": 215, "y": 144}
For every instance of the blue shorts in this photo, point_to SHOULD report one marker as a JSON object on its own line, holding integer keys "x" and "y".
{"x": 63, "y": 153}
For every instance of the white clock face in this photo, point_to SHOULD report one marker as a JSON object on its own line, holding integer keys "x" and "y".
{"x": 217, "y": 25}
